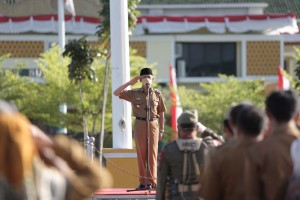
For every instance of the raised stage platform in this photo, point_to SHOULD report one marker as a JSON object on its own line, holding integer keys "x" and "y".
{"x": 121, "y": 193}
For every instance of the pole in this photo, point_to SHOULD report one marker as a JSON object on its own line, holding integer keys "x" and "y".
{"x": 147, "y": 137}
{"x": 61, "y": 24}
{"x": 121, "y": 110}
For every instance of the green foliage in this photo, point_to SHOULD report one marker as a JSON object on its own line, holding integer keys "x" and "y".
{"x": 297, "y": 69}
{"x": 14, "y": 88}
{"x": 40, "y": 100}
{"x": 214, "y": 99}
{"x": 82, "y": 55}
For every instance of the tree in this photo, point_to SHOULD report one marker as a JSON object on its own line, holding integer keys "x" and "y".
{"x": 13, "y": 88}
{"x": 297, "y": 69}
{"x": 214, "y": 99}
{"x": 80, "y": 69}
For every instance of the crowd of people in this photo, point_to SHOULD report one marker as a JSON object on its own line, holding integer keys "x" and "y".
{"x": 259, "y": 159}
{"x": 254, "y": 161}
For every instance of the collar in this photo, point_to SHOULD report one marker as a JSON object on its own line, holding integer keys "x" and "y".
{"x": 142, "y": 90}
{"x": 286, "y": 128}
{"x": 186, "y": 136}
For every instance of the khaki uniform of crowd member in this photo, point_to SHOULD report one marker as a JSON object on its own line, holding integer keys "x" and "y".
{"x": 224, "y": 170}
{"x": 270, "y": 166}
{"x": 181, "y": 163}
{"x": 138, "y": 100}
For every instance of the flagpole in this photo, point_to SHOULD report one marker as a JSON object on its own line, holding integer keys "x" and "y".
{"x": 120, "y": 66}
{"x": 61, "y": 24}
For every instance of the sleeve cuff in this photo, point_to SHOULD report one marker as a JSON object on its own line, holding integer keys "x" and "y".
{"x": 201, "y": 127}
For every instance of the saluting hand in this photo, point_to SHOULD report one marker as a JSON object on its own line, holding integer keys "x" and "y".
{"x": 134, "y": 80}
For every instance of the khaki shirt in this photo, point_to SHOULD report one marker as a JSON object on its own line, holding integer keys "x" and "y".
{"x": 138, "y": 100}
{"x": 223, "y": 173}
{"x": 269, "y": 165}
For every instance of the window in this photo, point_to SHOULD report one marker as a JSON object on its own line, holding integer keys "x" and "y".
{"x": 35, "y": 72}
{"x": 206, "y": 59}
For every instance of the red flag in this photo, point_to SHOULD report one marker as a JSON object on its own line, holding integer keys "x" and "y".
{"x": 176, "y": 109}
{"x": 283, "y": 82}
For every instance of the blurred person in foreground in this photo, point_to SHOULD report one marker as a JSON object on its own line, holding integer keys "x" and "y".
{"x": 33, "y": 166}
{"x": 224, "y": 169}
{"x": 269, "y": 165}
{"x": 232, "y": 118}
{"x": 181, "y": 161}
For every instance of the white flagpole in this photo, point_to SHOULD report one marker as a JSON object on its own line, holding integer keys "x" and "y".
{"x": 121, "y": 110}
{"x": 61, "y": 24}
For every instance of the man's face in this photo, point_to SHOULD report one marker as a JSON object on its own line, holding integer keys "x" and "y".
{"x": 146, "y": 79}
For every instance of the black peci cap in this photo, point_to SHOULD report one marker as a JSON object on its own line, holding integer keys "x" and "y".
{"x": 146, "y": 71}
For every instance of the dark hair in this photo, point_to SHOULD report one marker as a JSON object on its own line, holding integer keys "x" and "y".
{"x": 235, "y": 111}
{"x": 282, "y": 105}
{"x": 145, "y": 71}
{"x": 251, "y": 121}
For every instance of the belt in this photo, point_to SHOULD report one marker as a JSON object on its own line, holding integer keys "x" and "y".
{"x": 145, "y": 119}
{"x": 188, "y": 188}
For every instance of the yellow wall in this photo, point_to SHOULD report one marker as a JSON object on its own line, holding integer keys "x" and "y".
{"x": 159, "y": 53}
{"x": 122, "y": 164}
{"x": 22, "y": 49}
{"x": 263, "y": 57}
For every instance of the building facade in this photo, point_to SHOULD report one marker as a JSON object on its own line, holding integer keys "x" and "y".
{"x": 199, "y": 40}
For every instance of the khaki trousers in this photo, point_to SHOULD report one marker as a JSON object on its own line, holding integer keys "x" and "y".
{"x": 140, "y": 127}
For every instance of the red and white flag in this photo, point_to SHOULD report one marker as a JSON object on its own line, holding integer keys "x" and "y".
{"x": 176, "y": 108}
{"x": 283, "y": 82}
{"x": 69, "y": 6}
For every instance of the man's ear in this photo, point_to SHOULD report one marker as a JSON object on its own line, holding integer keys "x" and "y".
{"x": 268, "y": 114}
{"x": 153, "y": 78}
{"x": 297, "y": 118}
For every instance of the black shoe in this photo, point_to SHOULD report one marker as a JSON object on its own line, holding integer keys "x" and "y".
{"x": 150, "y": 186}
{"x": 141, "y": 187}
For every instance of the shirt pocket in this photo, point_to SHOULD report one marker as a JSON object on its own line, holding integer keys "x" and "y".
{"x": 138, "y": 104}
{"x": 154, "y": 104}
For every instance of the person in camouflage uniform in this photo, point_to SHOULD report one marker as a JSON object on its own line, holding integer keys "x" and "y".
{"x": 181, "y": 161}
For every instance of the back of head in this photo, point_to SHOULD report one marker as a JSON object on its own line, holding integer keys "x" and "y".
{"x": 235, "y": 110}
{"x": 251, "y": 121}
{"x": 187, "y": 121}
{"x": 282, "y": 105}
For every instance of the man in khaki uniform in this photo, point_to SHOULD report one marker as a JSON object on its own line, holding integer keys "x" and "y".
{"x": 181, "y": 161}
{"x": 224, "y": 167}
{"x": 269, "y": 165}
{"x": 138, "y": 98}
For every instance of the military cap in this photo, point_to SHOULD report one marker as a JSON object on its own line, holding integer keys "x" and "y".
{"x": 187, "y": 120}
{"x": 146, "y": 71}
